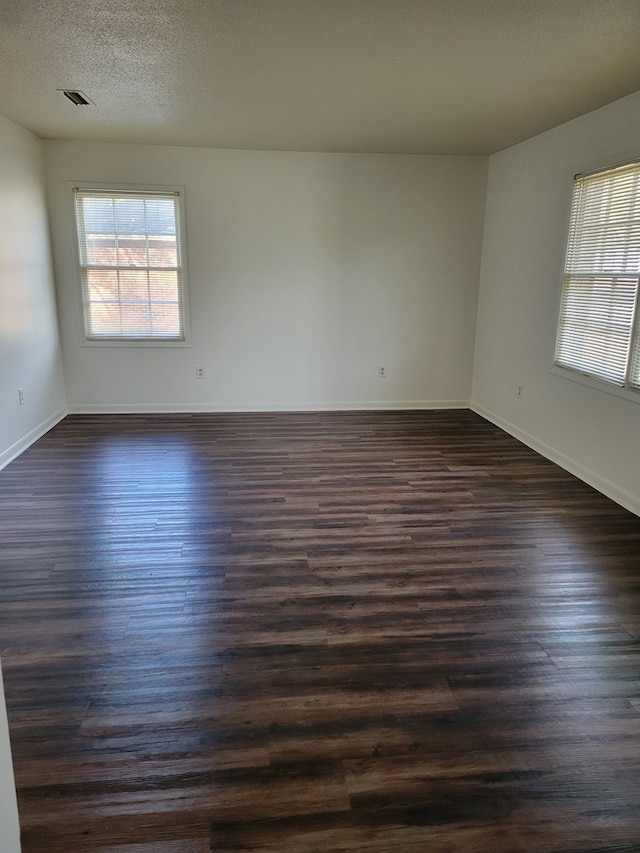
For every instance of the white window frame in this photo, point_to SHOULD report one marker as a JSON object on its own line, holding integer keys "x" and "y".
{"x": 624, "y": 388}
{"x": 131, "y": 341}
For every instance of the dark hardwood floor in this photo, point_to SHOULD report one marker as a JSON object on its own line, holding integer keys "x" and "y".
{"x": 313, "y": 633}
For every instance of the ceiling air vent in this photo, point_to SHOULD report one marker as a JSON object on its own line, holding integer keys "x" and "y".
{"x": 76, "y": 97}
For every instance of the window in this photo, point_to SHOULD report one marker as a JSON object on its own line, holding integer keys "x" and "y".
{"x": 130, "y": 265}
{"x": 598, "y": 333}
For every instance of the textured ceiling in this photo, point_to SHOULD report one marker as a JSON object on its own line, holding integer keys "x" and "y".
{"x": 406, "y": 76}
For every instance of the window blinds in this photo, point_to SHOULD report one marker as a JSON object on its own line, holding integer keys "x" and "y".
{"x": 130, "y": 262}
{"x": 597, "y": 333}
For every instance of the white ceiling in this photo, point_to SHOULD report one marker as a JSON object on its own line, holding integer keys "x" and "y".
{"x": 401, "y": 76}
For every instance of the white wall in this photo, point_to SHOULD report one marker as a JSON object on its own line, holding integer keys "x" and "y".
{"x": 29, "y": 348}
{"x": 591, "y": 433}
{"x": 307, "y": 271}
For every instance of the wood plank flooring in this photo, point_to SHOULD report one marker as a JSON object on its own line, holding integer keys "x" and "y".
{"x": 316, "y": 632}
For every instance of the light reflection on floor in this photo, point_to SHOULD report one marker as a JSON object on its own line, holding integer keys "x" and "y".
{"x": 150, "y": 506}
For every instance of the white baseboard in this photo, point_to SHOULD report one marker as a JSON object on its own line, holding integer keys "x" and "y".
{"x": 334, "y": 406}
{"x": 30, "y": 438}
{"x": 587, "y": 475}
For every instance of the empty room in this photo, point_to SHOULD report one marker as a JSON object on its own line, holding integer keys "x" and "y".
{"x": 319, "y": 423}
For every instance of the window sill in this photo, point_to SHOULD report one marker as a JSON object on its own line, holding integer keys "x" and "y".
{"x": 596, "y": 384}
{"x": 144, "y": 343}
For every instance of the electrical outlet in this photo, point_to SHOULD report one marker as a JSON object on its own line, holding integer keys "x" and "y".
{"x": 199, "y": 372}
{"x": 21, "y": 396}
{"x": 520, "y": 392}
{"x": 382, "y": 372}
